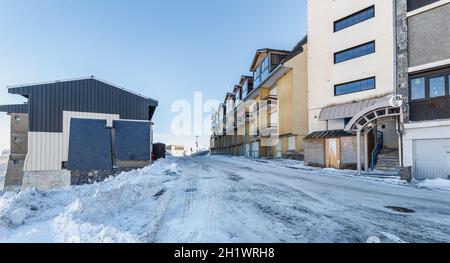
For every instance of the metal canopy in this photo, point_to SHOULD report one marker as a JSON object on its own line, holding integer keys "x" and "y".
{"x": 348, "y": 110}
{"x": 369, "y": 118}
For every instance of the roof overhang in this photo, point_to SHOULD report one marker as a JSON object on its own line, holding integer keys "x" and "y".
{"x": 349, "y": 110}
{"x": 15, "y": 108}
{"x": 244, "y": 79}
{"x": 260, "y": 53}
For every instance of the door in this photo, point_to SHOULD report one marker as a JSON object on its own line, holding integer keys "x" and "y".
{"x": 431, "y": 159}
{"x": 278, "y": 153}
{"x": 255, "y": 150}
{"x": 332, "y": 153}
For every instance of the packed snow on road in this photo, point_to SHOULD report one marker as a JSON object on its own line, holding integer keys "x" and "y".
{"x": 231, "y": 199}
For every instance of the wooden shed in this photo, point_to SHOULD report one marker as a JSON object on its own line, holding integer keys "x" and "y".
{"x": 332, "y": 149}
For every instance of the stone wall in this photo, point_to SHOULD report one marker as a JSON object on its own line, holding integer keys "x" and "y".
{"x": 19, "y": 149}
{"x": 402, "y": 55}
{"x": 46, "y": 180}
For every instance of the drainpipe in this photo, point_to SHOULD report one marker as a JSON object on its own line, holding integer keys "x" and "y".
{"x": 399, "y": 120}
{"x": 394, "y": 2}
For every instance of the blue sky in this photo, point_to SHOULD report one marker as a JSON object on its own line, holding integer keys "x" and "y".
{"x": 165, "y": 49}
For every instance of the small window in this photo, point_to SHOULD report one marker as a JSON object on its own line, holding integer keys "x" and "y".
{"x": 354, "y": 19}
{"x": 17, "y": 118}
{"x": 355, "y": 52}
{"x": 418, "y": 89}
{"x": 355, "y": 86}
{"x": 437, "y": 87}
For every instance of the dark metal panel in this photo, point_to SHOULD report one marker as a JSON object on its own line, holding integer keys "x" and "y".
{"x": 89, "y": 145}
{"x": 132, "y": 140}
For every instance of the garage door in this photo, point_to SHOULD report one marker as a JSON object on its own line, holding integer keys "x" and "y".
{"x": 431, "y": 159}
{"x": 255, "y": 150}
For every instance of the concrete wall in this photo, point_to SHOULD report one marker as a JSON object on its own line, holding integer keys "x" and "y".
{"x": 428, "y": 36}
{"x": 323, "y": 43}
{"x": 299, "y": 114}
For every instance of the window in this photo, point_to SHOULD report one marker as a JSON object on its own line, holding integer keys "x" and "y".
{"x": 347, "y": 121}
{"x": 437, "y": 87}
{"x": 355, "y": 86}
{"x": 17, "y": 118}
{"x": 355, "y": 52}
{"x": 265, "y": 69}
{"x": 257, "y": 76}
{"x": 354, "y": 19}
{"x": 416, "y": 4}
{"x": 430, "y": 85}
{"x": 418, "y": 89}
{"x": 276, "y": 60}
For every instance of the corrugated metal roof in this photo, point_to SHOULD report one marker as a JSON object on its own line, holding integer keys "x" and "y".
{"x": 22, "y": 88}
{"x": 16, "y": 108}
{"x": 328, "y": 134}
{"x": 47, "y": 102}
{"x": 348, "y": 110}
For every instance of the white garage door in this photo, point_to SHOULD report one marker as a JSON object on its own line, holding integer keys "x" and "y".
{"x": 431, "y": 159}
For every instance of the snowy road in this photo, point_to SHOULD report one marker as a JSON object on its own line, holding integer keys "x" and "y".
{"x": 222, "y": 199}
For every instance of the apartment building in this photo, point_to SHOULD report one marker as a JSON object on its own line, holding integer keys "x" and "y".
{"x": 423, "y": 39}
{"x": 354, "y": 116}
{"x": 76, "y": 131}
{"x": 266, "y": 114}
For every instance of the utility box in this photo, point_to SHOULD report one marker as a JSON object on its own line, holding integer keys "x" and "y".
{"x": 159, "y": 151}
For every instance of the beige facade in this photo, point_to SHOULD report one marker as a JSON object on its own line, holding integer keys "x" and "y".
{"x": 324, "y": 74}
{"x": 270, "y": 120}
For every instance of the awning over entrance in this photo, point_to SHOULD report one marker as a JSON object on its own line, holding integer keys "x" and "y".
{"x": 349, "y": 110}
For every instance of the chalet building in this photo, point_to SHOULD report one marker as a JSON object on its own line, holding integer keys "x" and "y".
{"x": 354, "y": 115}
{"x": 76, "y": 131}
{"x": 266, "y": 114}
{"x": 423, "y": 39}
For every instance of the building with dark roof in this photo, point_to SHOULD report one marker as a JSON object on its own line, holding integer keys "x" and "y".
{"x": 76, "y": 131}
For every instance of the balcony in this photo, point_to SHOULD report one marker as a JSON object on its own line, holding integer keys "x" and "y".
{"x": 269, "y": 129}
{"x": 269, "y": 104}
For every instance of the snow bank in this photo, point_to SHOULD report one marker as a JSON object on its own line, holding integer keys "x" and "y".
{"x": 435, "y": 184}
{"x": 116, "y": 210}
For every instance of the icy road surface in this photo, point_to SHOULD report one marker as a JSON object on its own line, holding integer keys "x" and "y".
{"x": 224, "y": 199}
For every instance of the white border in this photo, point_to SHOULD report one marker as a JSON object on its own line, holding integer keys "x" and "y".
{"x": 429, "y": 65}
